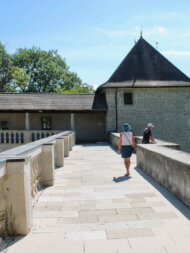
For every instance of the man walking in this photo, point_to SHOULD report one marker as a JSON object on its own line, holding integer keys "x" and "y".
{"x": 147, "y": 135}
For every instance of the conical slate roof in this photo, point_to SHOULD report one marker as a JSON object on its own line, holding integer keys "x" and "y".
{"x": 144, "y": 64}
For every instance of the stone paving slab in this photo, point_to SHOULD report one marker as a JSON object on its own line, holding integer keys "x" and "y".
{"x": 85, "y": 235}
{"x": 161, "y": 215}
{"x": 56, "y": 214}
{"x": 93, "y": 208}
{"x": 117, "y": 218}
{"x": 44, "y": 243}
{"x": 145, "y": 249}
{"x": 129, "y": 233}
{"x": 98, "y": 212}
{"x": 139, "y": 210}
{"x": 107, "y": 246}
{"x": 91, "y": 219}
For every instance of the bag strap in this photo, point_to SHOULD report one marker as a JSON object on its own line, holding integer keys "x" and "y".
{"x": 127, "y": 138}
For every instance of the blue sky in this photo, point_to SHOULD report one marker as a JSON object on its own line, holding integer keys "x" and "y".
{"x": 95, "y": 35}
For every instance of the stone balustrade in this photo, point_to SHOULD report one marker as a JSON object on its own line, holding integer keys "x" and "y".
{"x": 24, "y": 136}
{"x": 165, "y": 163}
{"x": 23, "y": 170}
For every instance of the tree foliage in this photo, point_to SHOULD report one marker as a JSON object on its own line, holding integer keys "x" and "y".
{"x": 6, "y": 69}
{"x": 36, "y": 70}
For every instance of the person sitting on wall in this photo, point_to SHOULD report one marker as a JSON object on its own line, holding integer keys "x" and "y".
{"x": 147, "y": 135}
{"x": 126, "y": 146}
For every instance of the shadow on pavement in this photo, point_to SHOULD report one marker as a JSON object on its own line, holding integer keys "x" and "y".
{"x": 121, "y": 179}
{"x": 98, "y": 144}
{"x": 9, "y": 241}
{"x": 91, "y": 144}
{"x": 185, "y": 210}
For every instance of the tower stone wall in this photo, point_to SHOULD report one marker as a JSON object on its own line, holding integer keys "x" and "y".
{"x": 167, "y": 108}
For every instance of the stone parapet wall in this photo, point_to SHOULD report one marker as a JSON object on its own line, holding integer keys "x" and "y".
{"x": 114, "y": 140}
{"x": 138, "y": 140}
{"x": 165, "y": 163}
{"x": 169, "y": 167}
{"x": 22, "y": 171}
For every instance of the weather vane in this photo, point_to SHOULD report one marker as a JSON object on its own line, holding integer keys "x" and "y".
{"x": 141, "y": 33}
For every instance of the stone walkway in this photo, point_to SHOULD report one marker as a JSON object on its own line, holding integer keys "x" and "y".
{"x": 90, "y": 211}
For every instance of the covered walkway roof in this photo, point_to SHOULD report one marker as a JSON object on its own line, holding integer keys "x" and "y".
{"x": 45, "y": 101}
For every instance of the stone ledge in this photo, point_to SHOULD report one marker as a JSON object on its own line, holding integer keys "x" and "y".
{"x": 165, "y": 163}
{"x": 138, "y": 140}
{"x": 114, "y": 140}
{"x": 169, "y": 167}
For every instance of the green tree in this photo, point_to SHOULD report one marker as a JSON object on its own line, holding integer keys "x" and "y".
{"x": 84, "y": 88}
{"x": 6, "y": 70}
{"x": 19, "y": 80}
{"x": 44, "y": 71}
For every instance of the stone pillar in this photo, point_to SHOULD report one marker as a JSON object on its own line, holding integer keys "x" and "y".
{"x": 66, "y": 145}
{"x": 72, "y": 121}
{"x": 73, "y": 138}
{"x": 27, "y": 136}
{"x": 73, "y": 128}
{"x": 59, "y": 152}
{"x": 47, "y": 172}
{"x": 27, "y": 121}
{"x": 70, "y": 141}
{"x": 17, "y": 192}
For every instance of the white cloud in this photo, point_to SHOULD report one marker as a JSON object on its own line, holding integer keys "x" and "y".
{"x": 185, "y": 34}
{"x": 160, "y": 29}
{"x": 138, "y": 28}
{"x": 178, "y": 53}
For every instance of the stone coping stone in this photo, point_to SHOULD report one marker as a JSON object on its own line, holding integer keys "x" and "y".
{"x": 2, "y": 161}
{"x": 177, "y": 155}
{"x": 116, "y": 134}
{"x": 2, "y": 167}
{"x": 158, "y": 141}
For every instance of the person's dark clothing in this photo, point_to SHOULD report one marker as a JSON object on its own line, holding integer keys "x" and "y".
{"x": 146, "y": 135}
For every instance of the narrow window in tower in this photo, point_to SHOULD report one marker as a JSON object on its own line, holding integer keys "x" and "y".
{"x": 128, "y": 98}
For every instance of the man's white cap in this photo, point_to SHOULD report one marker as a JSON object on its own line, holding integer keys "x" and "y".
{"x": 150, "y": 125}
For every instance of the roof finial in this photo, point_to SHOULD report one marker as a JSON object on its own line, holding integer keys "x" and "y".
{"x": 157, "y": 45}
{"x": 141, "y": 33}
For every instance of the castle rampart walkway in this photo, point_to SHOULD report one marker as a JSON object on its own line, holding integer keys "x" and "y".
{"x": 88, "y": 211}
